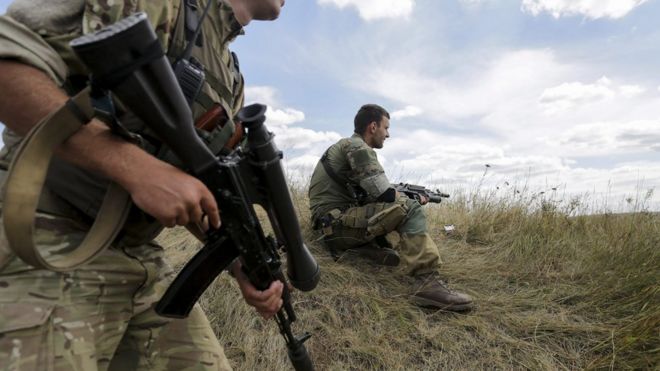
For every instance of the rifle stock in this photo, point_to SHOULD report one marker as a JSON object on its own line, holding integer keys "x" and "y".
{"x": 126, "y": 59}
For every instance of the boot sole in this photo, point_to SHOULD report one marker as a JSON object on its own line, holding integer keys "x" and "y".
{"x": 427, "y": 303}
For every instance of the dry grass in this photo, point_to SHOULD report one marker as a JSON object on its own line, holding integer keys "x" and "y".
{"x": 553, "y": 291}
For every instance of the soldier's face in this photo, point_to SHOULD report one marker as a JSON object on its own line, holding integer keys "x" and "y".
{"x": 381, "y": 133}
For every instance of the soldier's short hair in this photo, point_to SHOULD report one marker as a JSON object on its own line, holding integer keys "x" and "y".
{"x": 366, "y": 115}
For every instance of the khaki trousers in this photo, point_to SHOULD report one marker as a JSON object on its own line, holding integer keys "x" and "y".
{"x": 97, "y": 317}
{"x": 358, "y": 226}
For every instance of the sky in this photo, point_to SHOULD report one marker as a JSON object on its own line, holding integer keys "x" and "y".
{"x": 559, "y": 98}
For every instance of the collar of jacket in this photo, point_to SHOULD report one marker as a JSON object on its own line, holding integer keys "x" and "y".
{"x": 356, "y": 135}
{"x": 230, "y": 25}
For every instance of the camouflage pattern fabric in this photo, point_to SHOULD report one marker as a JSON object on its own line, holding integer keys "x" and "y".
{"x": 353, "y": 160}
{"x": 224, "y": 84}
{"x": 357, "y": 225}
{"x": 162, "y": 15}
{"x": 101, "y": 315}
{"x": 355, "y": 228}
{"x": 98, "y": 317}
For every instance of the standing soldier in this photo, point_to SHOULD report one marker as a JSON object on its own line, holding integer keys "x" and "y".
{"x": 354, "y": 203}
{"x": 101, "y": 315}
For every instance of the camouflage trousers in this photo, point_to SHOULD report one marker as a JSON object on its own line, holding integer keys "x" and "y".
{"x": 98, "y": 317}
{"x": 359, "y": 226}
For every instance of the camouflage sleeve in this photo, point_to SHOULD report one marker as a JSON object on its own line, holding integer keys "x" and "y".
{"x": 162, "y": 15}
{"x": 19, "y": 43}
{"x": 366, "y": 171}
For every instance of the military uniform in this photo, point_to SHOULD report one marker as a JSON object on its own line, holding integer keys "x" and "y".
{"x": 101, "y": 316}
{"x": 343, "y": 194}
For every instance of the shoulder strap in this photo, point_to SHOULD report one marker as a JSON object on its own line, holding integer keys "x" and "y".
{"x": 335, "y": 177}
{"x": 25, "y": 180}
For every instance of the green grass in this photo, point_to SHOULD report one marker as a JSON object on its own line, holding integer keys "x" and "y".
{"x": 553, "y": 290}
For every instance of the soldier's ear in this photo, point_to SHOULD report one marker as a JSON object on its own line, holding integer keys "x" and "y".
{"x": 372, "y": 126}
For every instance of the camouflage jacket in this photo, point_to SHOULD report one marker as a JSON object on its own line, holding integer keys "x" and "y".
{"x": 356, "y": 164}
{"x": 38, "y": 33}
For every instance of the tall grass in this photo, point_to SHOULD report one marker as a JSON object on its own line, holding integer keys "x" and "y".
{"x": 554, "y": 288}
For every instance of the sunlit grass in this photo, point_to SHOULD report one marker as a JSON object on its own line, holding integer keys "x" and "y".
{"x": 558, "y": 285}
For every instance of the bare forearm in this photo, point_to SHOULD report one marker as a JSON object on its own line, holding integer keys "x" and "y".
{"x": 33, "y": 95}
{"x": 158, "y": 188}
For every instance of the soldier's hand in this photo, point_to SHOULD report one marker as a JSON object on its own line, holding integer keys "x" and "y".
{"x": 423, "y": 200}
{"x": 172, "y": 196}
{"x": 267, "y": 302}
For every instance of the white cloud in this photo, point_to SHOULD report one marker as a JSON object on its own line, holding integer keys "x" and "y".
{"x": 570, "y": 94}
{"x": 261, "y": 94}
{"x": 275, "y": 116}
{"x": 630, "y": 91}
{"x": 408, "y": 111}
{"x": 489, "y": 85}
{"x": 301, "y": 138}
{"x": 285, "y": 116}
{"x": 459, "y": 164}
{"x": 370, "y": 10}
{"x": 589, "y": 8}
{"x": 605, "y": 138}
{"x": 280, "y": 120}
{"x": 460, "y": 160}
{"x": 489, "y": 105}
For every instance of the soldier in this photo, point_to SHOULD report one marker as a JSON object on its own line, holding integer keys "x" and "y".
{"x": 352, "y": 200}
{"x": 101, "y": 315}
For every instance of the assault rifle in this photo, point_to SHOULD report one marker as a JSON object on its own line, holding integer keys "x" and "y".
{"x": 127, "y": 59}
{"x": 416, "y": 191}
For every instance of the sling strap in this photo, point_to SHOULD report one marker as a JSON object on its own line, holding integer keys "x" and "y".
{"x": 25, "y": 180}
{"x": 355, "y": 191}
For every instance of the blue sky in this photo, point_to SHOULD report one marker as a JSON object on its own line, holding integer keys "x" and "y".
{"x": 550, "y": 93}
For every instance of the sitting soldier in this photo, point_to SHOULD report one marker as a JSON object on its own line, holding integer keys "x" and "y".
{"x": 354, "y": 203}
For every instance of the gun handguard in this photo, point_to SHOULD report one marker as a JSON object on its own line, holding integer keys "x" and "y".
{"x": 216, "y": 116}
{"x": 415, "y": 191}
{"x": 127, "y": 59}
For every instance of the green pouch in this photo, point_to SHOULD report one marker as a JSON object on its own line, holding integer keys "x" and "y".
{"x": 386, "y": 220}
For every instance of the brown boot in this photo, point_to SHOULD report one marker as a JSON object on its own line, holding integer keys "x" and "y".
{"x": 378, "y": 255}
{"x": 433, "y": 292}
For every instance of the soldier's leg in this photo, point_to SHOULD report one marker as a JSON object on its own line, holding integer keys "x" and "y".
{"x": 64, "y": 321}
{"x": 349, "y": 228}
{"x": 358, "y": 226}
{"x": 422, "y": 259}
{"x": 350, "y": 233}
{"x": 157, "y": 343}
{"x": 179, "y": 344}
{"x": 418, "y": 251}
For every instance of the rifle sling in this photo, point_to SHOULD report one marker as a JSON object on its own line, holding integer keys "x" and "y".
{"x": 25, "y": 180}
{"x": 335, "y": 177}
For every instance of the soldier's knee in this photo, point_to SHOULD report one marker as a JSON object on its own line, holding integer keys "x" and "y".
{"x": 415, "y": 221}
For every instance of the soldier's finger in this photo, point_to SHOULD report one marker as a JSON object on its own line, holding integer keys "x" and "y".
{"x": 266, "y": 300}
{"x": 182, "y": 219}
{"x": 210, "y": 208}
{"x": 205, "y": 223}
{"x": 271, "y": 311}
{"x": 196, "y": 214}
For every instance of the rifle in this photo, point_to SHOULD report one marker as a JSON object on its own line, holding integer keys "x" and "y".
{"x": 415, "y": 191}
{"x": 216, "y": 116}
{"x": 126, "y": 58}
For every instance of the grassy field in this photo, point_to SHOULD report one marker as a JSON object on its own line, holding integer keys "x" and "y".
{"x": 553, "y": 290}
